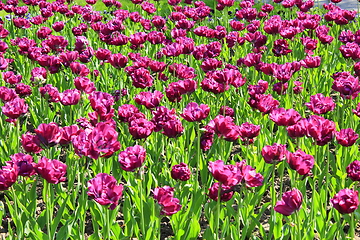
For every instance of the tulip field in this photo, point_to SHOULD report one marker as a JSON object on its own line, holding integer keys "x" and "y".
{"x": 179, "y": 119}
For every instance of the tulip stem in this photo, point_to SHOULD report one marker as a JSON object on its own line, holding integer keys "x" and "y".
{"x": 298, "y": 235}
{"x": 142, "y": 224}
{"x": 107, "y": 224}
{"x": 15, "y": 199}
{"x": 273, "y": 202}
{"x": 218, "y": 234}
{"x": 352, "y": 225}
{"x": 48, "y": 208}
{"x": 199, "y": 162}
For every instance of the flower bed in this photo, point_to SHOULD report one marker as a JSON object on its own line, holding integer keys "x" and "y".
{"x": 179, "y": 120}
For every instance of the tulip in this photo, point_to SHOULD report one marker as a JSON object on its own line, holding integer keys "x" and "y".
{"x": 132, "y": 158}
{"x": 248, "y": 132}
{"x": 53, "y": 171}
{"x": 226, "y": 192}
{"x": 274, "y": 153}
{"x": 15, "y": 108}
{"x": 104, "y": 190}
{"x": 319, "y": 104}
{"x": 8, "y": 176}
{"x": 24, "y": 164}
{"x": 23, "y": 90}
{"x": 291, "y": 201}
{"x": 84, "y": 84}
{"x": 125, "y": 111}
{"x": 353, "y": 170}
{"x": 148, "y": 99}
{"x": 180, "y": 172}
{"x": 67, "y": 133}
{"x": 140, "y": 128}
{"x": 173, "y": 128}
{"x": 49, "y": 92}
{"x": 7, "y": 94}
{"x": 346, "y": 137}
{"x": 228, "y": 175}
{"x": 300, "y": 162}
{"x": 321, "y": 129}
{"x": 49, "y": 134}
{"x": 169, "y": 205}
{"x": 70, "y": 97}
{"x": 250, "y": 177}
{"x": 284, "y": 117}
{"x": 195, "y": 113}
{"x": 226, "y": 111}
{"x": 345, "y": 201}
{"x": 30, "y": 143}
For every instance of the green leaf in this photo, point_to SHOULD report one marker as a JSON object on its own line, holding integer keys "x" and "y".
{"x": 208, "y": 234}
{"x": 65, "y": 231}
{"x": 194, "y": 229}
{"x": 58, "y": 217}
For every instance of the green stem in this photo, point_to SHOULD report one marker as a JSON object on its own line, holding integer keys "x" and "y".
{"x": 273, "y": 202}
{"x": 298, "y": 222}
{"x": 199, "y": 162}
{"x": 47, "y": 187}
{"x": 107, "y": 224}
{"x": 20, "y": 233}
{"x": 218, "y": 235}
{"x": 142, "y": 223}
{"x": 352, "y": 225}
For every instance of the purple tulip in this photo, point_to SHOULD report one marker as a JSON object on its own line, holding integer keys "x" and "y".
{"x": 104, "y": 190}
{"x": 148, "y": 99}
{"x": 180, "y": 172}
{"x": 284, "y": 117}
{"x": 53, "y": 171}
{"x": 24, "y": 164}
{"x": 353, "y": 170}
{"x": 345, "y": 201}
{"x": 346, "y": 137}
{"x": 8, "y": 176}
{"x": 274, "y": 153}
{"x": 319, "y": 104}
{"x": 300, "y": 162}
{"x": 228, "y": 175}
{"x": 49, "y": 134}
{"x": 132, "y": 158}
{"x": 225, "y": 193}
{"x": 169, "y": 204}
{"x": 195, "y": 113}
{"x": 291, "y": 201}
{"x": 70, "y": 97}
{"x": 15, "y": 108}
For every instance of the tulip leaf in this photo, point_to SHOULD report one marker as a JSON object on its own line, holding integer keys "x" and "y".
{"x": 65, "y": 231}
{"x": 194, "y": 229}
{"x": 59, "y": 215}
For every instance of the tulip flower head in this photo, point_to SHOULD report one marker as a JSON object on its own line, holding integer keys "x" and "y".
{"x": 345, "y": 201}
{"x": 274, "y": 153}
{"x": 346, "y": 137}
{"x": 132, "y": 158}
{"x": 290, "y": 202}
{"x": 226, "y": 192}
{"x": 353, "y": 170}
{"x": 53, "y": 171}
{"x": 104, "y": 190}
{"x": 300, "y": 161}
{"x": 180, "y": 172}
{"x": 165, "y": 197}
{"x": 195, "y": 113}
{"x": 8, "y": 176}
{"x": 319, "y": 104}
{"x": 24, "y": 164}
